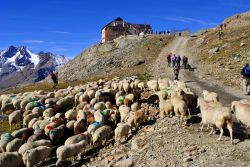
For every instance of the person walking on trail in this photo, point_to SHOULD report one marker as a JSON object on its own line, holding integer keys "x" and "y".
{"x": 178, "y": 60}
{"x": 173, "y": 60}
{"x": 245, "y": 72}
{"x": 176, "y": 72}
{"x": 185, "y": 62}
{"x": 220, "y": 33}
{"x": 169, "y": 59}
{"x": 54, "y": 78}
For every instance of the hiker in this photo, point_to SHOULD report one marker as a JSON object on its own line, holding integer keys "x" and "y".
{"x": 176, "y": 72}
{"x": 54, "y": 78}
{"x": 185, "y": 62}
{"x": 169, "y": 59}
{"x": 221, "y": 26}
{"x": 225, "y": 25}
{"x": 220, "y": 34}
{"x": 173, "y": 60}
{"x": 245, "y": 72}
{"x": 178, "y": 60}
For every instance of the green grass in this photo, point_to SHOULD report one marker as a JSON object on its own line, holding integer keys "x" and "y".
{"x": 4, "y": 127}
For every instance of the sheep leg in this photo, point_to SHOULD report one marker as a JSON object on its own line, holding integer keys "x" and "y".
{"x": 230, "y": 129}
{"x": 221, "y": 133}
{"x": 10, "y": 127}
{"x": 212, "y": 130}
{"x": 202, "y": 125}
{"x": 181, "y": 119}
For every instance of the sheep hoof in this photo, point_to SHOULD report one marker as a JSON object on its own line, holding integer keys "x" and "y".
{"x": 219, "y": 139}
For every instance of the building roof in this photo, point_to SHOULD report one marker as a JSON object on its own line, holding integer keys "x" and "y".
{"x": 137, "y": 26}
{"x": 117, "y": 19}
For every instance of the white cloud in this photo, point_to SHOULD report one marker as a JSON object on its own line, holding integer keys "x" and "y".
{"x": 31, "y": 41}
{"x": 60, "y": 32}
{"x": 190, "y": 20}
{"x": 58, "y": 49}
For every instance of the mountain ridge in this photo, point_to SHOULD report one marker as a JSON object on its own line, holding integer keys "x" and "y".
{"x": 20, "y": 65}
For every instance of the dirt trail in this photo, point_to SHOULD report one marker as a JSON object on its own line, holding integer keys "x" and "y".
{"x": 196, "y": 79}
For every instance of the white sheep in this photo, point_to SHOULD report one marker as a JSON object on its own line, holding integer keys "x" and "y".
{"x": 122, "y": 130}
{"x": 153, "y": 85}
{"x": 32, "y": 122}
{"x": 242, "y": 113}
{"x": 36, "y": 155}
{"x": 141, "y": 85}
{"x": 180, "y": 107}
{"x": 81, "y": 115}
{"x": 5, "y": 139}
{"x": 102, "y": 133}
{"x": 49, "y": 112}
{"x": 130, "y": 120}
{"x": 7, "y": 107}
{"x": 126, "y": 87}
{"x": 99, "y": 117}
{"x": 17, "y": 103}
{"x": 34, "y": 144}
{"x": 166, "y": 108}
{"x": 163, "y": 83}
{"x": 93, "y": 127}
{"x": 100, "y": 106}
{"x": 210, "y": 96}
{"x": 124, "y": 111}
{"x": 15, "y": 117}
{"x": 216, "y": 115}
{"x": 119, "y": 101}
{"x": 77, "y": 138}
{"x": 10, "y": 159}
{"x": 28, "y": 118}
{"x": 68, "y": 151}
{"x": 71, "y": 114}
{"x": 14, "y": 145}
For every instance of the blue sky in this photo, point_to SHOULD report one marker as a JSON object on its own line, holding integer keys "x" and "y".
{"x": 69, "y": 26}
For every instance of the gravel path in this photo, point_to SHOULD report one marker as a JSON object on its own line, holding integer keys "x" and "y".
{"x": 196, "y": 79}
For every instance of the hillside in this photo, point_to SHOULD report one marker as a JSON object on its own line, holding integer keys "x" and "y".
{"x": 222, "y": 59}
{"x": 122, "y": 57}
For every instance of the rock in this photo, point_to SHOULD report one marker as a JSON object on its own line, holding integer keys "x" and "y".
{"x": 213, "y": 51}
{"x": 124, "y": 163}
{"x": 136, "y": 62}
{"x": 134, "y": 145}
{"x": 110, "y": 158}
{"x": 242, "y": 44}
{"x": 187, "y": 159}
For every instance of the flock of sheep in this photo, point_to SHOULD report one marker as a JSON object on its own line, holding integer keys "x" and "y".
{"x": 70, "y": 119}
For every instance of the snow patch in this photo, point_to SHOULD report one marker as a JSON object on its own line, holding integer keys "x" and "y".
{"x": 34, "y": 58}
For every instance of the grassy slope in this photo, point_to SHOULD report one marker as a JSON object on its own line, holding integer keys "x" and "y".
{"x": 225, "y": 65}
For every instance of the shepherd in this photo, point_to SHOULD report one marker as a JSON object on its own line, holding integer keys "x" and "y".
{"x": 176, "y": 71}
{"x": 54, "y": 78}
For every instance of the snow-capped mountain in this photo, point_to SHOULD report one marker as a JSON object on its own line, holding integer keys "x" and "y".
{"x": 20, "y": 65}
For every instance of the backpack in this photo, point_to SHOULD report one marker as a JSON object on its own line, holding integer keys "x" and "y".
{"x": 247, "y": 71}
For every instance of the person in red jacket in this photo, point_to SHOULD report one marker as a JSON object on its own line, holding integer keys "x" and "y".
{"x": 169, "y": 59}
